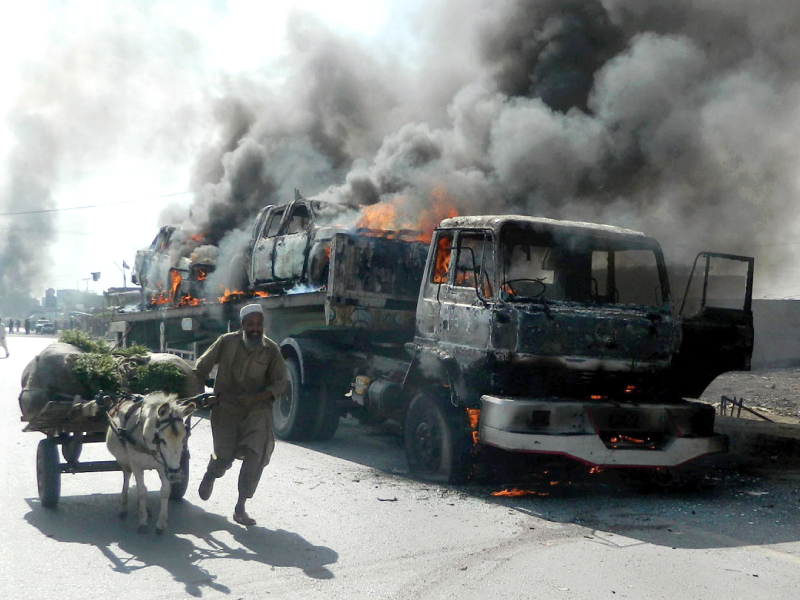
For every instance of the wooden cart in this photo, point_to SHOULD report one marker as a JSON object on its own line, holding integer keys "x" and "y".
{"x": 70, "y": 423}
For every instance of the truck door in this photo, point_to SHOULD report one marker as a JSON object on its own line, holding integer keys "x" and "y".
{"x": 717, "y": 321}
{"x": 290, "y": 246}
{"x": 433, "y": 284}
{"x": 255, "y": 234}
{"x": 265, "y": 247}
{"x": 465, "y": 318}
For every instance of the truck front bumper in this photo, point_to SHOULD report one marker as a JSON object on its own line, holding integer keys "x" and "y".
{"x": 601, "y": 433}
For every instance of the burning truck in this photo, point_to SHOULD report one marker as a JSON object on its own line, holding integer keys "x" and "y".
{"x": 288, "y": 251}
{"x": 520, "y": 333}
{"x": 173, "y": 269}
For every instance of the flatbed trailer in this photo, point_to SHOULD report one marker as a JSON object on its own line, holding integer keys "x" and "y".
{"x": 381, "y": 304}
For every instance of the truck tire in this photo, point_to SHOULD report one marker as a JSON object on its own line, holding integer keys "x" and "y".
{"x": 437, "y": 441}
{"x": 293, "y": 413}
{"x": 48, "y": 472}
{"x": 326, "y": 418}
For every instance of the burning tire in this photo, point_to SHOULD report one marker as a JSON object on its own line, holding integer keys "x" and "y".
{"x": 48, "y": 472}
{"x": 293, "y": 412}
{"x": 438, "y": 445}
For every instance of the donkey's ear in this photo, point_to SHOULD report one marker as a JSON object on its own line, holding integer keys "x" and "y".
{"x": 188, "y": 409}
{"x": 164, "y": 410}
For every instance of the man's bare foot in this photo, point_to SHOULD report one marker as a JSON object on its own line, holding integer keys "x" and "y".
{"x": 242, "y": 518}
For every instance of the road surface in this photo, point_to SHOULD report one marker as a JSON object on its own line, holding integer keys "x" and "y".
{"x": 344, "y": 520}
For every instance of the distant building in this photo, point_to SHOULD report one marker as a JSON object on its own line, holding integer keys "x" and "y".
{"x": 78, "y": 300}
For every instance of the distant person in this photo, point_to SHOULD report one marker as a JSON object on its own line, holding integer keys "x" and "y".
{"x": 27, "y": 326}
{"x": 3, "y": 337}
{"x": 18, "y": 325}
{"x": 251, "y": 375}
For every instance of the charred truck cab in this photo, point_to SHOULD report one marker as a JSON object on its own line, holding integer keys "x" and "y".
{"x": 557, "y": 337}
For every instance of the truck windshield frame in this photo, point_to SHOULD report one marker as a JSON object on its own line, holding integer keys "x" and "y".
{"x": 586, "y": 268}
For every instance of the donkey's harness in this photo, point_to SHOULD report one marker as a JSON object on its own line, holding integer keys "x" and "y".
{"x": 132, "y": 420}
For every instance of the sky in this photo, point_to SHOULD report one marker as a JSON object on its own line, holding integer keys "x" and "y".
{"x": 679, "y": 119}
{"x": 100, "y": 74}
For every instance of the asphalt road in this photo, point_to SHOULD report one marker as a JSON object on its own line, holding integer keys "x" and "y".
{"x": 344, "y": 520}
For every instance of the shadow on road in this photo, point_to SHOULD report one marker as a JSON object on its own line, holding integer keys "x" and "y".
{"x": 714, "y": 502}
{"x": 188, "y": 560}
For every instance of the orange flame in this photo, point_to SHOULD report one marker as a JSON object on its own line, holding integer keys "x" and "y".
{"x": 440, "y": 208}
{"x": 198, "y": 237}
{"x": 175, "y": 282}
{"x": 260, "y": 294}
{"x": 626, "y": 440}
{"x": 158, "y": 299}
{"x": 515, "y": 492}
{"x": 442, "y": 259}
{"x": 202, "y": 274}
{"x": 189, "y": 300}
{"x": 378, "y": 216}
{"x": 386, "y": 215}
{"x": 230, "y": 295}
{"x": 474, "y": 414}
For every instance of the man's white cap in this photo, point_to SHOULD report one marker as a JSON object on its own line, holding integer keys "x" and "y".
{"x": 250, "y": 309}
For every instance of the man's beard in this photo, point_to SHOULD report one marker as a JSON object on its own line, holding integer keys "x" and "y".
{"x": 252, "y": 340}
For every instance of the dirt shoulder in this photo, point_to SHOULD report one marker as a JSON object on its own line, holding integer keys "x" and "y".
{"x": 772, "y": 392}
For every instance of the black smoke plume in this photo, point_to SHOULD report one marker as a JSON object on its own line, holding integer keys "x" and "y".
{"x": 676, "y": 119}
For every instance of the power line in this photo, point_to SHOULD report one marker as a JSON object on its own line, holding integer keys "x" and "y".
{"x": 51, "y": 210}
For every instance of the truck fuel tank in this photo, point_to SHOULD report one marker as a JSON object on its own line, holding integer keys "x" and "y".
{"x": 379, "y": 395}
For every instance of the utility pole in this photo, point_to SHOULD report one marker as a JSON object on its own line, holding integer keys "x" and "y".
{"x": 124, "y": 279}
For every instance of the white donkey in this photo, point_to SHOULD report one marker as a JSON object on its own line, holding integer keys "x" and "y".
{"x": 148, "y": 433}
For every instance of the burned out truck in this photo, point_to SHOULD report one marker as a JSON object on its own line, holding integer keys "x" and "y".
{"x": 290, "y": 244}
{"x": 535, "y": 335}
{"x": 166, "y": 276}
{"x": 520, "y": 333}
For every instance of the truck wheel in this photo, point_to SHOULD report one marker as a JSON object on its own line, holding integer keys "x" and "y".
{"x": 178, "y": 488}
{"x": 293, "y": 412}
{"x": 326, "y": 419}
{"x": 438, "y": 446}
{"x": 48, "y": 472}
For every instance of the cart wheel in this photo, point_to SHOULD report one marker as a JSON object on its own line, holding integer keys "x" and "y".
{"x": 178, "y": 488}
{"x": 48, "y": 473}
{"x": 71, "y": 448}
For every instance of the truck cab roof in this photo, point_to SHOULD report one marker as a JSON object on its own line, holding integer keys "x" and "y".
{"x": 498, "y": 222}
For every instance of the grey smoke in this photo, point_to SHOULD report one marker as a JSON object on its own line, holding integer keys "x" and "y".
{"x": 102, "y": 90}
{"x": 678, "y": 119}
{"x": 675, "y": 119}
{"x": 32, "y": 171}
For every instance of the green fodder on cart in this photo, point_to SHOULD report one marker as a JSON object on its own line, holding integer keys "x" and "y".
{"x": 161, "y": 376}
{"x": 87, "y": 343}
{"x": 84, "y": 341}
{"x": 97, "y": 372}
